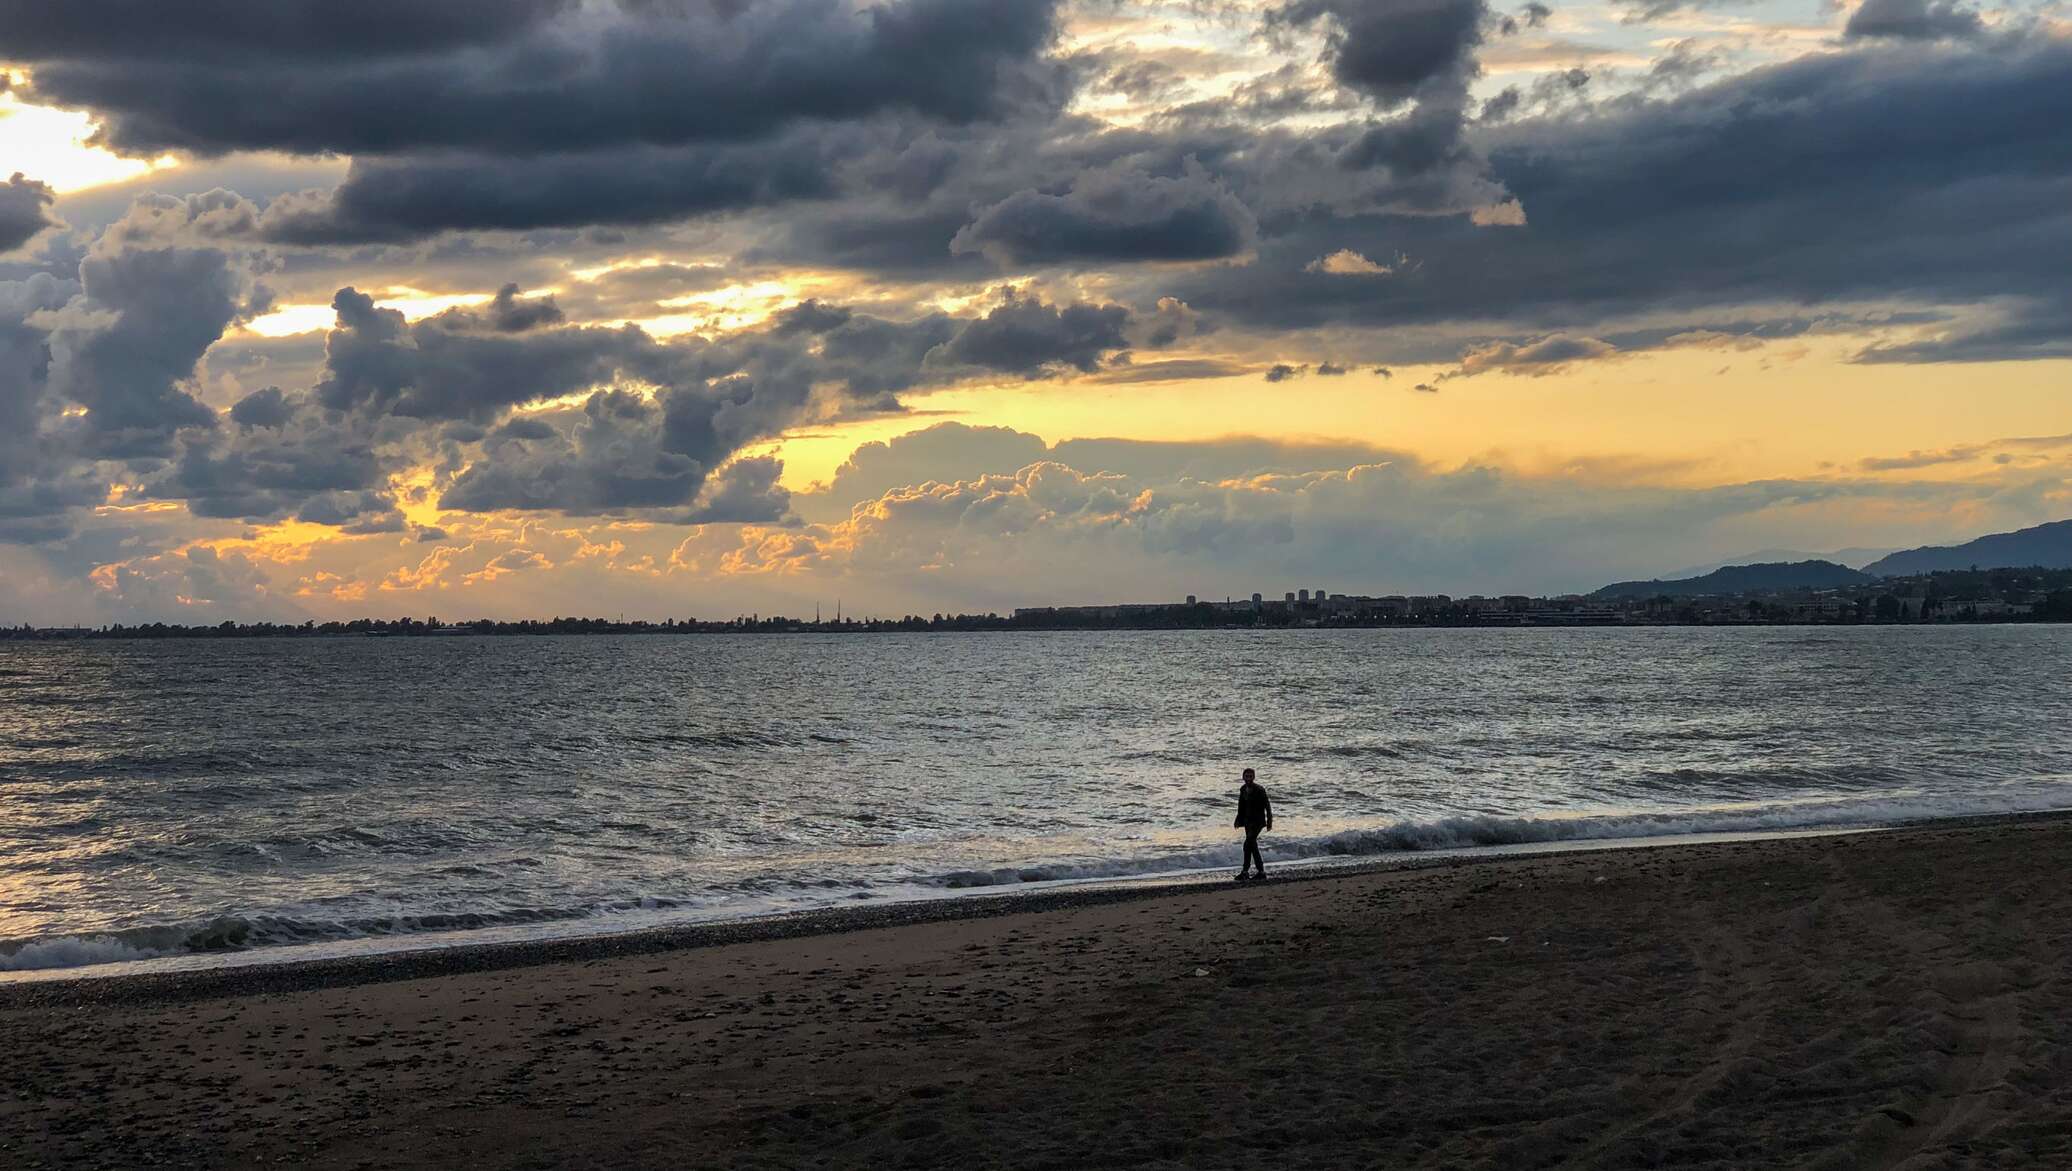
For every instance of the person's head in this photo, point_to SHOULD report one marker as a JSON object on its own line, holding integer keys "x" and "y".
{"x": 1249, "y": 775}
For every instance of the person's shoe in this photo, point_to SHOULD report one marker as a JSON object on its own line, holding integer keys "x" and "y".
{"x": 1242, "y": 875}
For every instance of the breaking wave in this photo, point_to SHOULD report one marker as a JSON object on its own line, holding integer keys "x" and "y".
{"x": 230, "y": 933}
{"x": 1483, "y": 831}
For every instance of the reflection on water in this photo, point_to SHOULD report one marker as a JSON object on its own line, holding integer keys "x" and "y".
{"x": 161, "y": 796}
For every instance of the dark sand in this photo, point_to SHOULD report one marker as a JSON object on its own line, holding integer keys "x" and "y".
{"x": 1891, "y": 1000}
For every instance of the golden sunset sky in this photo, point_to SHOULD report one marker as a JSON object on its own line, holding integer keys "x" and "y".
{"x": 568, "y": 306}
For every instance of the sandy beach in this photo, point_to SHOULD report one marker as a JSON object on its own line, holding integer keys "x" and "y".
{"x": 1898, "y": 999}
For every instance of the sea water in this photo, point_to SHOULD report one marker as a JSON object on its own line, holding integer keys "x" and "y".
{"x": 207, "y": 798}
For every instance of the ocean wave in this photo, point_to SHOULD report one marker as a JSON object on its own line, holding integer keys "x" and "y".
{"x": 232, "y": 933}
{"x": 236, "y": 933}
{"x": 1483, "y": 831}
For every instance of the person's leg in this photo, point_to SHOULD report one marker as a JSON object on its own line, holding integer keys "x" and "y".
{"x": 1252, "y": 857}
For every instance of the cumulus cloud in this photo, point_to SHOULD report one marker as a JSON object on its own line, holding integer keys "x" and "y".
{"x": 410, "y": 197}
{"x": 533, "y": 77}
{"x": 611, "y": 455}
{"x": 157, "y": 290}
{"x": 1115, "y": 214}
{"x": 484, "y": 394}
{"x": 1679, "y": 210}
{"x": 1397, "y": 50}
{"x": 1399, "y": 526}
{"x": 1346, "y": 262}
{"x": 1025, "y": 336}
{"x": 1921, "y": 20}
{"x": 24, "y": 211}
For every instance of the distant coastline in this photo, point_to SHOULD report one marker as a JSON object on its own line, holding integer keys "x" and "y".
{"x": 1994, "y": 596}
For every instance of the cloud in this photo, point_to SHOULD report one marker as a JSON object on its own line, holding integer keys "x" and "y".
{"x": 225, "y": 31}
{"x": 1923, "y": 20}
{"x": 1115, "y": 214}
{"x": 1729, "y": 195}
{"x": 1346, "y": 262}
{"x": 24, "y": 211}
{"x": 508, "y": 562}
{"x": 40, "y": 481}
{"x": 950, "y": 452}
{"x": 615, "y": 453}
{"x": 505, "y": 313}
{"x": 1025, "y": 336}
{"x": 408, "y": 198}
{"x": 483, "y": 395}
{"x": 1401, "y": 526}
{"x": 1173, "y": 370}
{"x": 2024, "y": 329}
{"x": 743, "y": 492}
{"x": 1549, "y": 355}
{"x": 534, "y": 77}
{"x": 157, "y": 290}
{"x": 2001, "y": 450}
{"x": 197, "y": 584}
{"x": 1397, "y": 50}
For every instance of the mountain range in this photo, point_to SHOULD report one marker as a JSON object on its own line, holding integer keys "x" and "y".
{"x": 2045, "y": 545}
{"x": 1742, "y": 579}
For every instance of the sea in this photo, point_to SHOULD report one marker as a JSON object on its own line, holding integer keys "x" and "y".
{"x": 202, "y": 802}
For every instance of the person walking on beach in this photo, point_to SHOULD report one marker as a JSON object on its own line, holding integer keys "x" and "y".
{"x": 1254, "y": 813}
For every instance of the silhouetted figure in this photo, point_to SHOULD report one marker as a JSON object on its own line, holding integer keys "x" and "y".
{"x": 1254, "y": 813}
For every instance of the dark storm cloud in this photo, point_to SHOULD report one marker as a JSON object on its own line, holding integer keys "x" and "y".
{"x": 1929, "y": 173}
{"x": 607, "y": 456}
{"x": 1114, "y": 214}
{"x": 286, "y": 456}
{"x": 505, "y": 79}
{"x": 24, "y": 211}
{"x": 1395, "y": 50}
{"x": 1921, "y": 20}
{"x": 1426, "y": 139}
{"x": 38, "y": 482}
{"x": 214, "y": 30}
{"x": 394, "y": 199}
{"x": 1027, "y": 337}
{"x": 375, "y": 361}
{"x": 266, "y": 407}
{"x": 395, "y": 394}
{"x": 157, "y": 292}
{"x": 506, "y": 313}
{"x": 744, "y": 492}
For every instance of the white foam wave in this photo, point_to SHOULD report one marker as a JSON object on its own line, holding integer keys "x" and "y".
{"x": 1473, "y": 831}
{"x": 76, "y": 952}
{"x": 231, "y": 934}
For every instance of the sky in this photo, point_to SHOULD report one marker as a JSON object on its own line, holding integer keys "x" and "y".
{"x": 704, "y": 308}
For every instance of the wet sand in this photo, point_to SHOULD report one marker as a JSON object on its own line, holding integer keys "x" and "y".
{"x": 1900, "y": 999}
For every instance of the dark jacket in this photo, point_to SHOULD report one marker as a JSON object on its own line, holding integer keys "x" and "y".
{"x": 1254, "y": 811}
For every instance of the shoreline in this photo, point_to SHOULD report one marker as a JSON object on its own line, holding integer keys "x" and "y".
{"x": 288, "y": 973}
{"x": 1897, "y": 999}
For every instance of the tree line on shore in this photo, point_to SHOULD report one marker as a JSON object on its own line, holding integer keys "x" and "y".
{"x": 1998, "y": 595}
